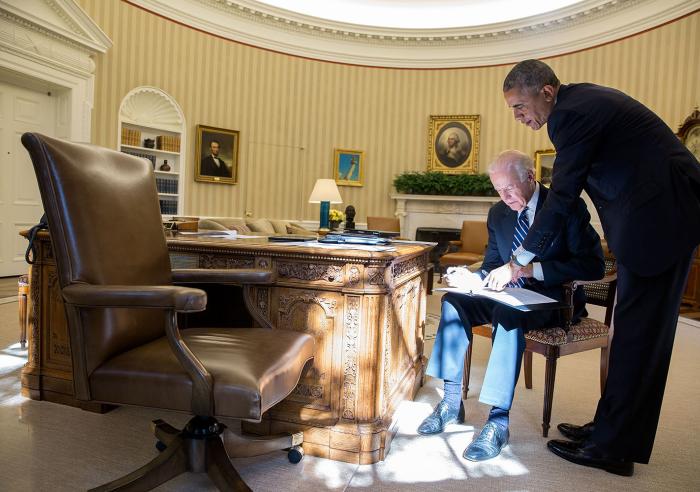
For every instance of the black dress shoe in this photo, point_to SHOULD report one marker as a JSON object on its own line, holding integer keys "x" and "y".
{"x": 489, "y": 443}
{"x": 588, "y": 454}
{"x": 442, "y": 415}
{"x": 576, "y": 432}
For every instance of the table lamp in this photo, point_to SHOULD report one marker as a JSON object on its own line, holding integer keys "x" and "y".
{"x": 325, "y": 192}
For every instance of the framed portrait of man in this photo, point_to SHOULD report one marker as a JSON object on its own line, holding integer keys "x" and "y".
{"x": 453, "y": 143}
{"x": 348, "y": 167}
{"x": 544, "y": 164}
{"x": 216, "y": 155}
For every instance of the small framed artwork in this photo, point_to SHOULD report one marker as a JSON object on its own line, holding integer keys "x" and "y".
{"x": 544, "y": 164}
{"x": 453, "y": 143}
{"x": 348, "y": 167}
{"x": 216, "y": 155}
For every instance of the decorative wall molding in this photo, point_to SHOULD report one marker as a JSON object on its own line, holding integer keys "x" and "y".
{"x": 51, "y": 43}
{"x": 150, "y": 106}
{"x": 582, "y": 25}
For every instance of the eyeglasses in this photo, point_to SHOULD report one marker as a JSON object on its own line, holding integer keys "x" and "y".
{"x": 505, "y": 189}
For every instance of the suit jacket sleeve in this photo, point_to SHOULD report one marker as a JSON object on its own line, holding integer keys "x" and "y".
{"x": 582, "y": 255}
{"x": 492, "y": 258}
{"x": 576, "y": 137}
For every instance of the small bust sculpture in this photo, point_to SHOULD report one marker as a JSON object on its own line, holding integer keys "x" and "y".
{"x": 349, "y": 217}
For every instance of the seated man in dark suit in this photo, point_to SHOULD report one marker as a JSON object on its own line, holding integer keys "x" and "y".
{"x": 213, "y": 165}
{"x": 575, "y": 254}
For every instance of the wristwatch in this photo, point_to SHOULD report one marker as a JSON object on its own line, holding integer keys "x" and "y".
{"x": 514, "y": 259}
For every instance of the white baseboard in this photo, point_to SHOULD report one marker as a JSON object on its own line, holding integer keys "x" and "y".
{"x": 694, "y": 323}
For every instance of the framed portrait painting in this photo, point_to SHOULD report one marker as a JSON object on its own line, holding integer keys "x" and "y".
{"x": 544, "y": 163}
{"x": 216, "y": 155}
{"x": 453, "y": 143}
{"x": 348, "y": 167}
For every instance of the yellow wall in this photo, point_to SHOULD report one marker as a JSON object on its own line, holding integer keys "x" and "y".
{"x": 292, "y": 112}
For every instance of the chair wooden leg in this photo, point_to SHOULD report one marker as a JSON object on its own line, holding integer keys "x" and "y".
{"x": 527, "y": 363}
{"x": 164, "y": 432}
{"x": 238, "y": 446}
{"x": 221, "y": 470}
{"x": 603, "y": 368}
{"x": 550, "y": 373}
{"x": 168, "y": 464}
{"x": 466, "y": 370}
{"x": 197, "y": 448}
{"x": 22, "y": 293}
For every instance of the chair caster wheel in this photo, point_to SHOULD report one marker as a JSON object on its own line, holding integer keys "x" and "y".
{"x": 161, "y": 446}
{"x": 295, "y": 454}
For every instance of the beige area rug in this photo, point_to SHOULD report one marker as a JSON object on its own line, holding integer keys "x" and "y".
{"x": 8, "y": 287}
{"x": 53, "y": 447}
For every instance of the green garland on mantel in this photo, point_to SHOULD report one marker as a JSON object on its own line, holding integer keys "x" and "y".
{"x": 434, "y": 183}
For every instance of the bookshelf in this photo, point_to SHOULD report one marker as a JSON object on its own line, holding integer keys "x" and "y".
{"x": 152, "y": 126}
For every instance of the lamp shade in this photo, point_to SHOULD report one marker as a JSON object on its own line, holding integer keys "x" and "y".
{"x": 325, "y": 190}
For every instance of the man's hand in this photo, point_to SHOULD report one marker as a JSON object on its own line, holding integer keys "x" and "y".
{"x": 498, "y": 279}
{"x": 462, "y": 278}
{"x": 521, "y": 272}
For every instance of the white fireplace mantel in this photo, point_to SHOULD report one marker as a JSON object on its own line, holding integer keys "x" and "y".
{"x": 416, "y": 211}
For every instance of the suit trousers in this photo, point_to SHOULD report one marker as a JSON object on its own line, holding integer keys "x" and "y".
{"x": 459, "y": 314}
{"x": 645, "y": 320}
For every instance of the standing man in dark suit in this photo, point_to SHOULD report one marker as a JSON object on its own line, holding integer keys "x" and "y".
{"x": 213, "y": 165}
{"x": 646, "y": 187}
{"x": 575, "y": 254}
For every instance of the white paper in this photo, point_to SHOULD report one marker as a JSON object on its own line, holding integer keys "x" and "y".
{"x": 512, "y": 296}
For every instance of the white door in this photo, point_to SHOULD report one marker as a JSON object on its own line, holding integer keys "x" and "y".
{"x": 21, "y": 110}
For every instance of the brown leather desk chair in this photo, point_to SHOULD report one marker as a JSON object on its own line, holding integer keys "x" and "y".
{"x": 587, "y": 334}
{"x": 121, "y": 305}
{"x": 469, "y": 249}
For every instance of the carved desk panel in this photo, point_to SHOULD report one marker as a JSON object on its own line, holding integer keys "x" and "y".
{"x": 366, "y": 311}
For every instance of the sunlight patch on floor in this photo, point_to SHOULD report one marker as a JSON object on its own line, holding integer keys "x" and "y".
{"x": 422, "y": 459}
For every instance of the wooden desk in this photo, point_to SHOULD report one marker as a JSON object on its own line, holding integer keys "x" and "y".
{"x": 366, "y": 311}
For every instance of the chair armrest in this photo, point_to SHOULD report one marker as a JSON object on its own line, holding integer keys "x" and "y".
{"x": 221, "y": 276}
{"x": 181, "y": 299}
{"x": 610, "y": 277}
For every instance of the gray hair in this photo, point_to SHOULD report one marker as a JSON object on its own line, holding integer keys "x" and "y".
{"x": 531, "y": 76}
{"x": 514, "y": 162}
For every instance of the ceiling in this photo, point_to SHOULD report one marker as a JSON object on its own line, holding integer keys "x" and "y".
{"x": 420, "y": 14}
{"x": 422, "y": 34}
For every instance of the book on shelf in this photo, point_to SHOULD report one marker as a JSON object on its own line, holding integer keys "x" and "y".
{"x": 168, "y": 143}
{"x": 142, "y": 155}
{"x": 131, "y": 136}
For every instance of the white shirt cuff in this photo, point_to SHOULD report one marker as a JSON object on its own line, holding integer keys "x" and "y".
{"x": 537, "y": 271}
{"x": 524, "y": 257}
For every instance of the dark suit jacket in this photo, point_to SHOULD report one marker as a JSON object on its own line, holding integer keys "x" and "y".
{"x": 644, "y": 183}
{"x": 209, "y": 168}
{"x": 575, "y": 253}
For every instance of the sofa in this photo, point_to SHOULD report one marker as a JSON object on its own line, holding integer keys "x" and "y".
{"x": 254, "y": 226}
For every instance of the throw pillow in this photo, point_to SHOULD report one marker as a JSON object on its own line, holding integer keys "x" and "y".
{"x": 295, "y": 229}
{"x": 261, "y": 225}
{"x": 280, "y": 226}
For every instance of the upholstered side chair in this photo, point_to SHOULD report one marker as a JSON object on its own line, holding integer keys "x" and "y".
{"x": 121, "y": 304}
{"x": 552, "y": 343}
{"x": 389, "y": 224}
{"x": 469, "y": 249}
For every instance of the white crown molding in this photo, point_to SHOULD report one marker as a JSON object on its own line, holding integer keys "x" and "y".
{"x": 580, "y": 26}
{"x": 50, "y": 44}
{"x": 68, "y": 23}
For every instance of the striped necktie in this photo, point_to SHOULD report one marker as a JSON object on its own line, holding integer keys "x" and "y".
{"x": 521, "y": 227}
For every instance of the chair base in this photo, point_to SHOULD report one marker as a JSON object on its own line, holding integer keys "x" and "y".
{"x": 199, "y": 448}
